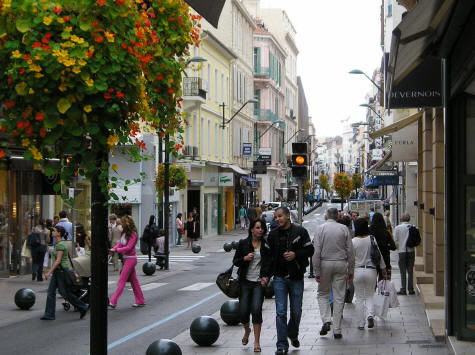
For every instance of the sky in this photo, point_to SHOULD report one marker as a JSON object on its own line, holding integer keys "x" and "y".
{"x": 333, "y": 38}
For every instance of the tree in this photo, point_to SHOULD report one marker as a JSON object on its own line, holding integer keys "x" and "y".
{"x": 306, "y": 187}
{"x": 79, "y": 77}
{"x": 342, "y": 186}
{"x": 357, "y": 182}
{"x": 323, "y": 182}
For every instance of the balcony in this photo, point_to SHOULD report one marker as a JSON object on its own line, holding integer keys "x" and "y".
{"x": 261, "y": 72}
{"x": 265, "y": 115}
{"x": 193, "y": 90}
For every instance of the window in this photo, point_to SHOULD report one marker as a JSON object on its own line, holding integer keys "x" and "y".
{"x": 216, "y": 135}
{"x": 227, "y": 90}
{"x": 390, "y": 10}
{"x": 222, "y": 87}
{"x": 209, "y": 138}
{"x": 196, "y": 129}
{"x": 226, "y": 143}
{"x": 257, "y": 60}
{"x": 209, "y": 81}
{"x": 216, "y": 85}
{"x": 203, "y": 137}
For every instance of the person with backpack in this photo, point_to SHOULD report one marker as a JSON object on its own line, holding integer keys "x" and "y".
{"x": 405, "y": 247}
{"x": 149, "y": 236}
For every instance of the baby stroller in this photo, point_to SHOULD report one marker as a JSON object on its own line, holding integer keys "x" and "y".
{"x": 82, "y": 264}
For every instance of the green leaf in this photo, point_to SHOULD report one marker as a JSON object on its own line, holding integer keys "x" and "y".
{"x": 84, "y": 26}
{"x": 20, "y": 88}
{"x": 56, "y": 187}
{"x": 22, "y": 25}
{"x": 76, "y": 131}
{"x": 126, "y": 188}
{"x": 114, "y": 196}
{"x": 49, "y": 171}
{"x": 113, "y": 178}
{"x": 109, "y": 125}
{"x": 100, "y": 85}
{"x": 63, "y": 105}
{"x": 127, "y": 182}
{"x": 28, "y": 155}
{"x": 93, "y": 128}
{"x": 64, "y": 196}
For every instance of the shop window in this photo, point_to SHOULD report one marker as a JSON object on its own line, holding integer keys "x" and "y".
{"x": 470, "y": 268}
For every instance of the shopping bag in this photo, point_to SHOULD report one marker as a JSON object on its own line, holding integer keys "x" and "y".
{"x": 393, "y": 300}
{"x": 25, "y": 250}
{"x": 381, "y": 300}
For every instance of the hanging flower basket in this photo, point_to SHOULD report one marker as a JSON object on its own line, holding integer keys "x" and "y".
{"x": 177, "y": 178}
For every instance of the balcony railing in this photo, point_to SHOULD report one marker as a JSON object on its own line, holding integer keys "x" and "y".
{"x": 265, "y": 115}
{"x": 261, "y": 72}
{"x": 193, "y": 87}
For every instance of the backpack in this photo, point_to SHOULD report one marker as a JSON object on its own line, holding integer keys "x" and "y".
{"x": 414, "y": 238}
{"x": 33, "y": 240}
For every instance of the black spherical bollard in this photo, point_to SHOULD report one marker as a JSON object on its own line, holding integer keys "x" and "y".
{"x": 204, "y": 331}
{"x": 163, "y": 347}
{"x": 235, "y": 244}
{"x": 269, "y": 290}
{"x": 196, "y": 248}
{"x": 230, "y": 312}
{"x": 227, "y": 247}
{"x": 148, "y": 268}
{"x": 25, "y": 298}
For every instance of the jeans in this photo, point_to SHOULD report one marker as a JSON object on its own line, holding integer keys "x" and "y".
{"x": 293, "y": 289}
{"x": 57, "y": 282}
{"x": 178, "y": 242}
{"x": 128, "y": 274}
{"x": 333, "y": 278}
{"x": 250, "y": 301}
{"x": 406, "y": 265}
{"x": 365, "y": 280}
{"x": 38, "y": 256}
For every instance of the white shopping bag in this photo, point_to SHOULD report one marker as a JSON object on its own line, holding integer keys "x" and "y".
{"x": 393, "y": 300}
{"x": 381, "y": 300}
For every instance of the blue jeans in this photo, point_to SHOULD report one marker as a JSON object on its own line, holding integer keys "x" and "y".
{"x": 178, "y": 242}
{"x": 57, "y": 282}
{"x": 250, "y": 301}
{"x": 293, "y": 289}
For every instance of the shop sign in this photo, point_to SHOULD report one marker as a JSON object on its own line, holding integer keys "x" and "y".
{"x": 377, "y": 154}
{"x": 219, "y": 179}
{"x": 405, "y": 144}
{"x": 246, "y": 150}
{"x": 265, "y": 151}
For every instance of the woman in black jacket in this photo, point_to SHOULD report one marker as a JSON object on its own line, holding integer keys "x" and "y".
{"x": 252, "y": 256}
{"x": 385, "y": 241}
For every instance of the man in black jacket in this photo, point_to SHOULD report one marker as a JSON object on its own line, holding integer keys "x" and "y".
{"x": 290, "y": 248}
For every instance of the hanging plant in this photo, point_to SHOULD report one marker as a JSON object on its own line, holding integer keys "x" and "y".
{"x": 78, "y": 77}
{"x": 177, "y": 178}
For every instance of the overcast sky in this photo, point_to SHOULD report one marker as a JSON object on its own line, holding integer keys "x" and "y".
{"x": 333, "y": 38}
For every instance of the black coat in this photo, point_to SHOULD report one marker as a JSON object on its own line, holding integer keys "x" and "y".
{"x": 245, "y": 247}
{"x": 299, "y": 243}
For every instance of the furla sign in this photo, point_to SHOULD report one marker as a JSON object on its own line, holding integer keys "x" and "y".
{"x": 405, "y": 144}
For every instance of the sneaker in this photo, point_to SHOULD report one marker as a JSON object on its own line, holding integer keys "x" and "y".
{"x": 370, "y": 322}
{"x": 295, "y": 342}
{"x": 325, "y": 328}
{"x": 83, "y": 312}
{"x": 46, "y": 318}
{"x": 361, "y": 327}
{"x": 337, "y": 336}
{"x": 402, "y": 293}
{"x": 412, "y": 292}
{"x": 136, "y": 305}
{"x": 111, "y": 306}
{"x": 281, "y": 352}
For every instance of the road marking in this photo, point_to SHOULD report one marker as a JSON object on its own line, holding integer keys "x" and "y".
{"x": 151, "y": 286}
{"x": 160, "y": 322}
{"x": 111, "y": 282}
{"x": 197, "y": 286}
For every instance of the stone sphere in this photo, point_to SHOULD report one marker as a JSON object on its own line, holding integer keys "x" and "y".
{"x": 269, "y": 290}
{"x": 204, "y": 331}
{"x": 25, "y": 298}
{"x": 227, "y": 247}
{"x": 230, "y": 312}
{"x": 196, "y": 248}
{"x": 149, "y": 268}
{"x": 235, "y": 244}
{"x": 163, "y": 347}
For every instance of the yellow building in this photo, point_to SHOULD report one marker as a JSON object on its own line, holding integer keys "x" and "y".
{"x": 206, "y": 94}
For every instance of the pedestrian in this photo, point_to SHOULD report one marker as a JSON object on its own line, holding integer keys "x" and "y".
{"x": 57, "y": 281}
{"x": 159, "y": 247}
{"x": 354, "y": 216}
{"x": 365, "y": 273}
{"x": 290, "y": 249}
{"x": 371, "y": 214}
{"x": 406, "y": 254}
{"x": 251, "y": 257}
{"x": 385, "y": 242}
{"x": 242, "y": 217}
{"x": 196, "y": 231}
{"x": 190, "y": 230}
{"x": 126, "y": 247}
{"x": 115, "y": 232}
{"x": 55, "y": 220}
{"x": 38, "y": 251}
{"x": 251, "y": 213}
{"x": 387, "y": 219}
{"x": 80, "y": 250}
{"x": 50, "y": 247}
{"x": 179, "y": 228}
{"x": 334, "y": 263}
{"x": 258, "y": 211}
{"x": 66, "y": 224}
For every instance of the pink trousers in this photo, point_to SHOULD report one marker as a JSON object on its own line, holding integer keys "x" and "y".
{"x": 128, "y": 274}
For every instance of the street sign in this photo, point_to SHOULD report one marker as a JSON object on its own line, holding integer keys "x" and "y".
{"x": 260, "y": 167}
{"x": 246, "y": 150}
{"x": 267, "y": 159}
{"x": 265, "y": 151}
{"x": 226, "y": 179}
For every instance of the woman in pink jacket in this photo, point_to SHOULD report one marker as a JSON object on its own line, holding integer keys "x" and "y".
{"x": 126, "y": 247}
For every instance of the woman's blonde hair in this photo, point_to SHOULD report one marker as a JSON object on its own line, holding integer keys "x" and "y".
{"x": 128, "y": 226}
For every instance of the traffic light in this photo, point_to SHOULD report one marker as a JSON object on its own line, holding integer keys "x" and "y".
{"x": 299, "y": 159}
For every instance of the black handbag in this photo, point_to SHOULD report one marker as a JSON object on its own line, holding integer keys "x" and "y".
{"x": 228, "y": 284}
{"x": 71, "y": 276}
{"x": 375, "y": 254}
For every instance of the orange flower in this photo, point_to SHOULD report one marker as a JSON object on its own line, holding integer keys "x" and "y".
{"x": 120, "y": 95}
{"x": 2, "y": 154}
{"x": 101, "y": 2}
{"x": 42, "y": 132}
{"x": 98, "y": 39}
{"x": 39, "y": 116}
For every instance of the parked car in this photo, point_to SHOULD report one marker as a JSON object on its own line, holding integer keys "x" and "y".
{"x": 275, "y": 204}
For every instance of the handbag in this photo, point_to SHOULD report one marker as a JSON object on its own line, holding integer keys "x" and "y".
{"x": 71, "y": 276}
{"x": 381, "y": 300}
{"x": 228, "y": 284}
{"x": 26, "y": 250}
{"x": 375, "y": 255}
{"x": 393, "y": 300}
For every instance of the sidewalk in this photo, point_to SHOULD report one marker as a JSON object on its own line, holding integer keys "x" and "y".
{"x": 9, "y": 312}
{"x": 405, "y": 331}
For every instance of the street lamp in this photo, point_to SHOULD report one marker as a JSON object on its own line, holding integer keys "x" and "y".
{"x": 310, "y": 135}
{"x": 273, "y": 123}
{"x": 372, "y": 109}
{"x": 250, "y": 101}
{"x": 196, "y": 59}
{"x": 357, "y": 71}
{"x": 297, "y": 132}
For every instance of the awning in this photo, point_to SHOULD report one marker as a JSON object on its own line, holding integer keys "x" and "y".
{"x": 209, "y": 9}
{"x": 380, "y": 163}
{"x": 396, "y": 126}
{"x": 252, "y": 182}
{"x": 239, "y": 170}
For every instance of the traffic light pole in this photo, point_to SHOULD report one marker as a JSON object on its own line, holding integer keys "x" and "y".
{"x": 300, "y": 200}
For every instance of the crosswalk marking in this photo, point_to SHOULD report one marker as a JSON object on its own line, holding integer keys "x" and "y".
{"x": 151, "y": 286}
{"x": 197, "y": 286}
{"x": 176, "y": 258}
{"x": 111, "y": 282}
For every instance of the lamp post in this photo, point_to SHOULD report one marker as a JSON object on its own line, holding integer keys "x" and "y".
{"x": 260, "y": 135}
{"x": 310, "y": 135}
{"x": 297, "y": 132}
{"x": 225, "y": 122}
{"x": 357, "y": 71}
{"x": 372, "y": 109}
